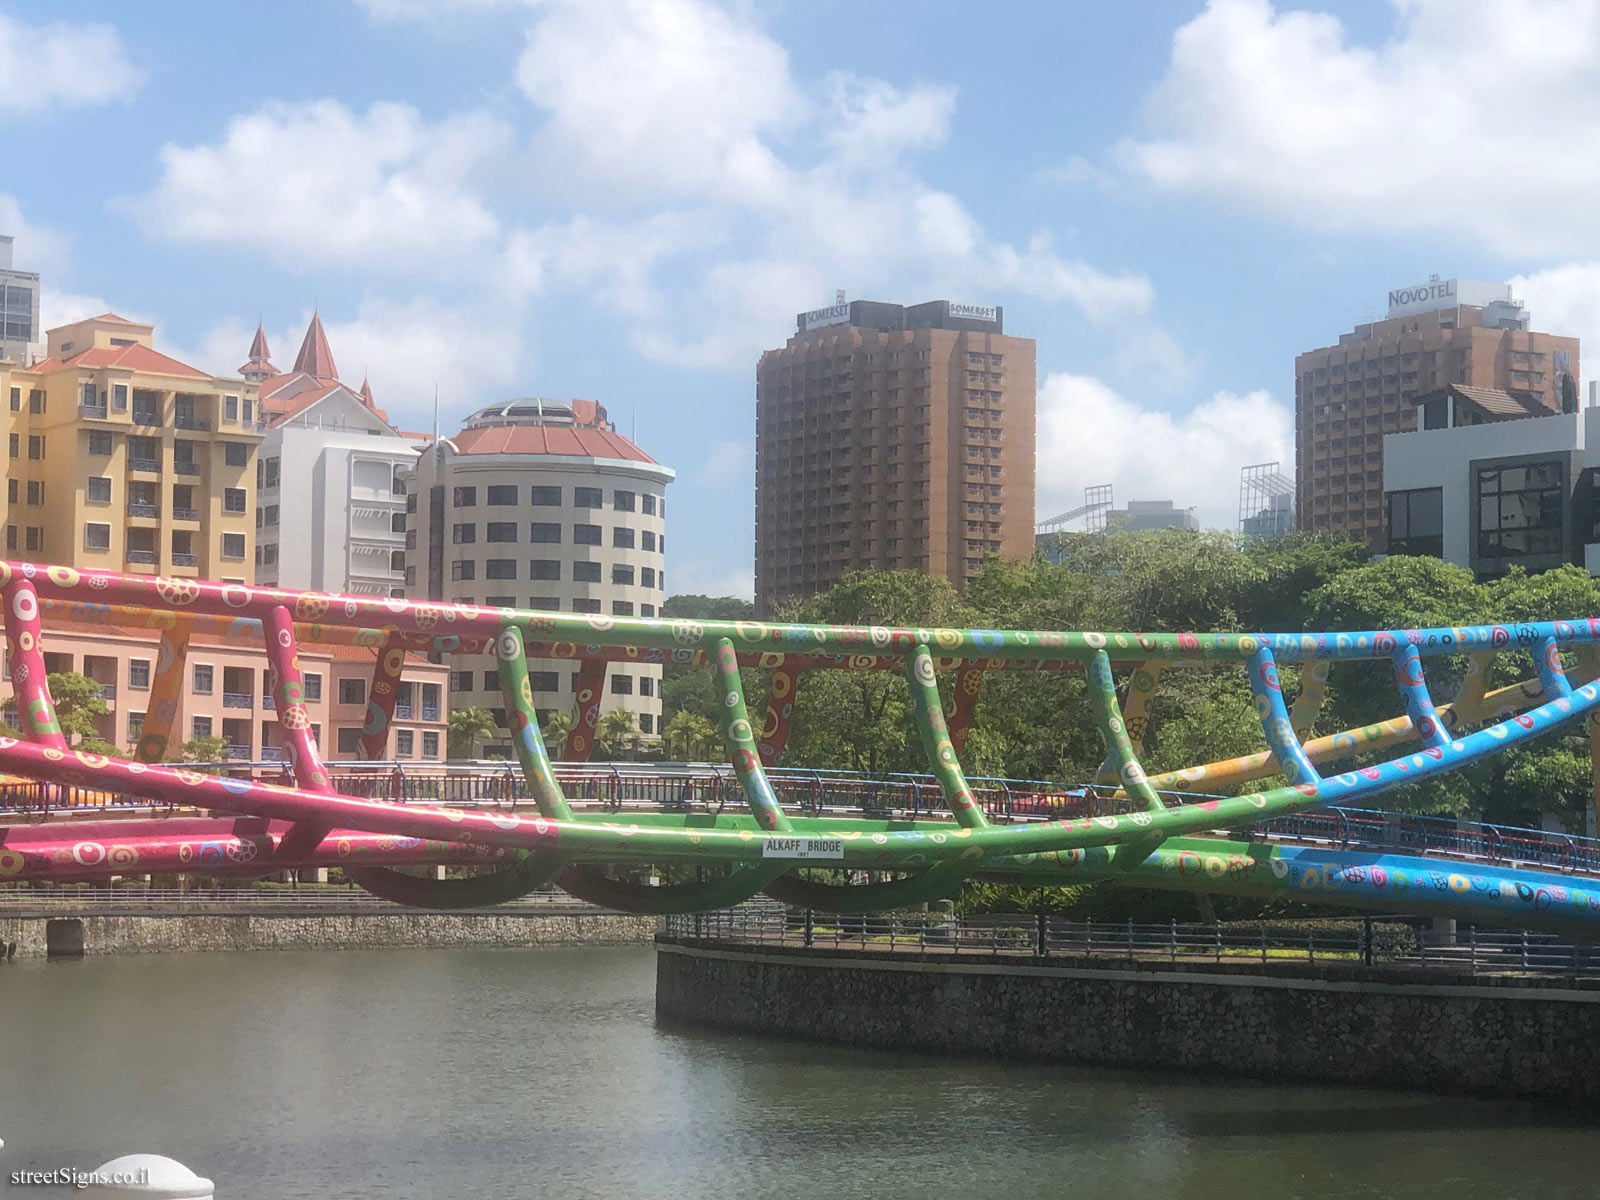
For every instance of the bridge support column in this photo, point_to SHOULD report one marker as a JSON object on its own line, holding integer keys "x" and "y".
{"x": 36, "y": 712}
{"x": 166, "y": 690}
{"x": 586, "y": 717}
{"x": 381, "y": 697}
{"x": 928, "y": 712}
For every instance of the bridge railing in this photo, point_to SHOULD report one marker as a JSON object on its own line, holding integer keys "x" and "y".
{"x": 1354, "y": 943}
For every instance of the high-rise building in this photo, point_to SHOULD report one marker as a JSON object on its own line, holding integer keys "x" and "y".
{"x": 119, "y": 456}
{"x": 890, "y": 436}
{"x": 331, "y": 513}
{"x": 542, "y": 504}
{"x": 19, "y": 308}
{"x": 1348, "y": 396}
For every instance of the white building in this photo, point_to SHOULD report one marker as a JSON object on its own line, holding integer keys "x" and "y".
{"x": 19, "y": 308}
{"x": 1485, "y": 486}
{"x": 1152, "y": 514}
{"x": 542, "y": 504}
{"x": 330, "y": 501}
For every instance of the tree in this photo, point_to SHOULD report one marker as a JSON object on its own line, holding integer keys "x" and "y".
{"x": 78, "y": 702}
{"x": 554, "y": 726}
{"x": 211, "y": 749}
{"x": 690, "y": 736}
{"x": 468, "y": 727}
{"x": 616, "y": 734}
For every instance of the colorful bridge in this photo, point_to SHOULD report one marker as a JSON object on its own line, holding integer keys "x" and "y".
{"x": 1201, "y": 828}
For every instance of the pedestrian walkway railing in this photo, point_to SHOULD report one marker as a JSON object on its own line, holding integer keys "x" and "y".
{"x": 1360, "y": 943}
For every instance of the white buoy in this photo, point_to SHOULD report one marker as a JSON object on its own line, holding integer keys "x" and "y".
{"x": 151, "y": 1175}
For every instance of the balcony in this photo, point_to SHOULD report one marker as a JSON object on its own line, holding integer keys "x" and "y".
{"x": 185, "y": 560}
{"x": 430, "y": 712}
{"x": 144, "y": 416}
{"x": 402, "y": 712}
{"x": 235, "y": 699}
{"x": 190, "y": 421}
{"x": 268, "y": 702}
{"x": 272, "y": 754}
{"x": 186, "y": 467}
{"x": 108, "y": 691}
{"x": 184, "y": 514}
{"x": 139, "y": 509}
{"x": 234, "y": 752}
{"x": 144, "y": 464}
{"x": 95, "y": 412}
{"x": 141, "y": 556}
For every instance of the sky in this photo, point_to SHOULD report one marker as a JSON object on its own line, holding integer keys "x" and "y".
{"x": 628, "y": 200}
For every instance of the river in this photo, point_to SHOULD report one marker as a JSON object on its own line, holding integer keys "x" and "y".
{"x": 437, "y": 1073}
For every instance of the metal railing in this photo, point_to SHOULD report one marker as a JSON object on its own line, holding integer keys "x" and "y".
{"x": 97, "y": 412}
{"x": 1352, "y": 943}
{"x": 185, "y": 559}
{"x": 144, "y": 464}
{"x": 186, "y": 467}
{"x": 188, "y": 421}
{"x": 236, "y": 700}
{"x": 180, "y": 513}
{"x": 140, "y": 509}
{"x": 139, "y": 556}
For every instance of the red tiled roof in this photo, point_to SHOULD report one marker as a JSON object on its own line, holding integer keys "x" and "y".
{"x": 548, "y": 439}
{"x": 315, "y": 358}
{"x": 138, "y": 357}
{"x": 258, "y": 347}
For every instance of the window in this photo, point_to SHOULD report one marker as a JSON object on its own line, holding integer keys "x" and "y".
{"x": 1519, "y": 510}
{"x": 622, "y": 538}
{"x": 544, "y": 681}
{"x": 119, "y": 397}
{"x": 542, "y": 494}
{"x": 230, "y": 408}
{"x": 349, "y": 740}
{"x": 99, "y": 442}
{"x": 313, "y": 685}
{"x": 500, "y": 568}
{"x": 545, "y": 568}
{"x": 464, "y": 535}
{"x": 647, "y": 722}
{"x": 465, "y": 497}
{"x": 461, "y": 681}
{"x": 200, "y": 728}
{"x": 647, "y": 610}
{"x": 622, "y": 501}
{"x": 233, "y": 500}
{"x": 15, "y": 444}
{"x": 586, "y": 572}
{"x": 622, "y": 608}
{"x": 621, "y": 574}
{"x": 16, "y": 399}
{"x": 36, "y": 446}
{"x": 235, "y": 454}
{"x": 500, "y": 531}
{"x": 647, "y": 577}
{"x": 622, "y": 685}
{"x": 502, "y": 494}
{"x": 96, "y": 536}
{"x": 585, "y": 497}
{"x": 430, "y": 744}
{"x": 233, "y": 545}
{"x": 135, "y": 726}
{"x": 647, "y": 686}
{"x": 546, "y": 532}
{"x": 35, "y": 538}
{"x": 139, "y": 674}
{"x": 647, "y": 504}
{"x": 491, "y": 681}
{"x": 352, "y": 690}
{"x": 586, "y": 535}
{"x": 267, "y": 473}
{"x": 36, "y": 398}
{"x": 1416, "y": 522}
{"x": 647, "y": 540}
{"x": 405, "y": 743}
{"x": 463, "y": 568}
{"x": 246, "y": 410}
{"x": 500, "y": 601}
{"x": 202, "y": 679}
{"x": 36, "y": 491}
{"x": 586, "y": 606}
{"x": 545, "y": 603}
{"x": 12, "y": 485}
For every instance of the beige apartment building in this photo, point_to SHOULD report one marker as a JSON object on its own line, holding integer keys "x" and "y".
{"x": 1348, "y": 396}
{"x": 227, "y": 693}
{"x": 121, "y": 457}
{"x": 891, "y": 437}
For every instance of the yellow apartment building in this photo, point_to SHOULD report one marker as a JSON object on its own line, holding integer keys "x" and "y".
{"x": 121, "y": 457}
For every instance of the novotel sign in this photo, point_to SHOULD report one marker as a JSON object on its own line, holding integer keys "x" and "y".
{"x": 974, "y": 312}
{"x": 836, "y": 314}
{"x": 1445, "y": 293}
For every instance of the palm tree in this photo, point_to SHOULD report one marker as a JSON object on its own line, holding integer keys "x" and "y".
{"x": 616, "y": 733}
{"x": 555, "y": 725}
{"x": 468, "y": 727}
{"x": 689, "y": 735}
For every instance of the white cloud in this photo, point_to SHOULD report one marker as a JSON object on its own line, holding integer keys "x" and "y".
{"x": 424, "y": 10}
{"x": 1566, "y": 300}
{"x": 37, "y": 248}
{"x": 63, "y": 308}
{"x": 1472, "y": 117}
{"x": 669, "y": 95}
{"x": 1152, "y": 357}
{"x": 1094, "y": 435}
{"x": 317, "y": 184}
{"x": 728, "y": 462}
{"x": 695, "y": 579}
{"x": 64, "y": 65}
{"x": 873, "y": 120}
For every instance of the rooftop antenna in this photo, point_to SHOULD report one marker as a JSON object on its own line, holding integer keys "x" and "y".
{"x": 436, "y": 417}
{"x": 838, "y": 296}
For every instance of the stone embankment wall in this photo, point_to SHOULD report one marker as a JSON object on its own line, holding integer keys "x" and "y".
{"x": 164, "y": 934}
{"x": 1507, "y": 1036}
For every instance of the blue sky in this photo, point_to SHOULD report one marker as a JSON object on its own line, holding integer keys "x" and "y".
{"x": 628, "y": 199}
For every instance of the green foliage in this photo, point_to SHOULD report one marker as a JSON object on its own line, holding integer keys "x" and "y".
{"x": 468, "y": 727}
{"x": 616, "y": 736}
{"x": 707, "y": 608}
{"x": 201, "y": 750}
{"x": 690, "y": 736}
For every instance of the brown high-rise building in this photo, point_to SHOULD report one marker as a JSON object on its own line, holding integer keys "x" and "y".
{"x": 891, "y": 436}
{"x": 1348, "y": 396}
